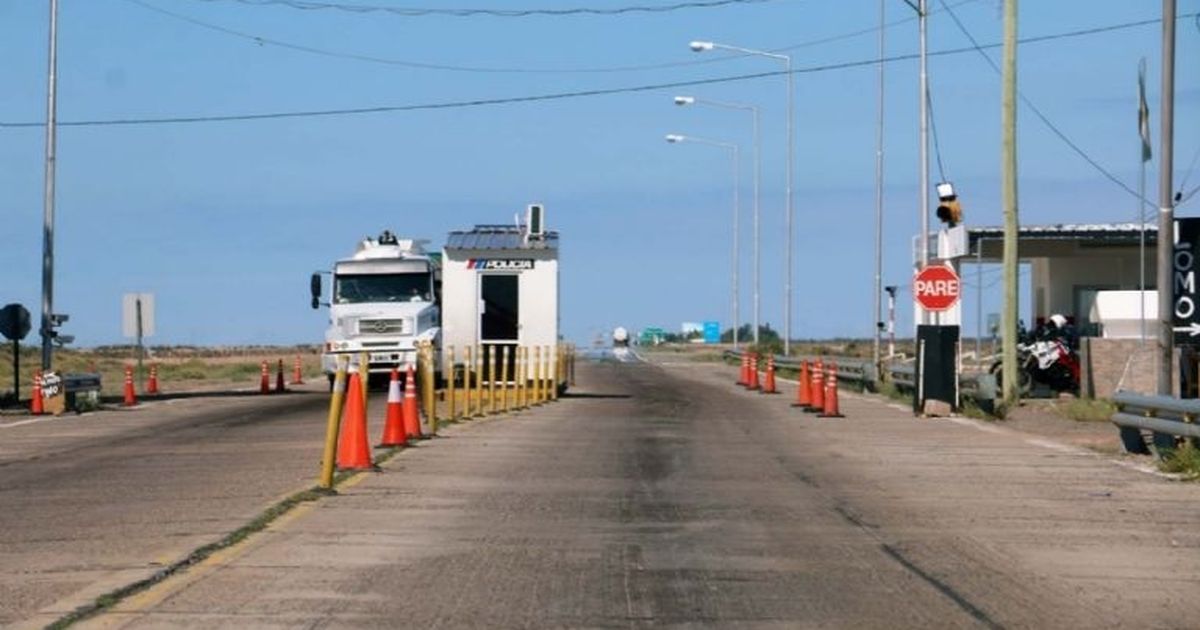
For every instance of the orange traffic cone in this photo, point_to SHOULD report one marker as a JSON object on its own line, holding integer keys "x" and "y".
{"x": 354, "y": 453}
{"x": 297, "y": 375}
{"x": 817, "y": 395}
{"x": 279, "y": 377}
{"x": 753, "y": 383}
{"x": 35, "y": 400}
{"x": 393, "y": 427}
{"x": 769, "y": 385}
{"x": 744, "y": 376}
{"x": 152, "y": 385}
{"x": 264, "y": 385}
{"x": 412, "y": 413}
{"x": 130, "y": 395}
{"x": 831, "y": 395}
{"x": 803, "y": 387}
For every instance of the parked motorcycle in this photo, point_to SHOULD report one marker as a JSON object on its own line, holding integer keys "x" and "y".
{"x": 1046, "y": 358}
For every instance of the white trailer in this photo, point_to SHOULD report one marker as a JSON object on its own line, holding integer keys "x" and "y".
{"x": 384, "y": 301}
{"x": 500, "y": 287}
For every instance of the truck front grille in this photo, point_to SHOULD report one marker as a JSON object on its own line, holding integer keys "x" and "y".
{"x": 383, "y": 327}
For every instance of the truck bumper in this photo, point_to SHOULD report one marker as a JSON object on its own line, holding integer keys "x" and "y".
{"x": 378, "y": 362}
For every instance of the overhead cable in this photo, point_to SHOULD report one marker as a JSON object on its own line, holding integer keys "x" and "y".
{"x": 309, "y": 5}
{"x": 1046, "y": 120}
{"x": 557, "y": 95}
{"x": 424, "y": 65}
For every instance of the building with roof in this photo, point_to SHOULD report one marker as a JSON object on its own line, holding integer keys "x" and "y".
{"x": 1071, "y": 263}
{"x": 500, "y": 288}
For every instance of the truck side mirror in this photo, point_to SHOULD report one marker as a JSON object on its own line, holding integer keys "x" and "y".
{"x": 315, "y": 287}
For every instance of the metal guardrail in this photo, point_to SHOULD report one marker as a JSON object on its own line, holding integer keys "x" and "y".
{"x": 1167, "y": 417}
{"x": 852, "y": 370}
{"x": 978, "y": 386}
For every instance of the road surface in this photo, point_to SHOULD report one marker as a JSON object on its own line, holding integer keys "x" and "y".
{"x": 658, "y": 494}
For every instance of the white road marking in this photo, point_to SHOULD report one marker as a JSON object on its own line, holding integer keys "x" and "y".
{"x": 21, "y": 423}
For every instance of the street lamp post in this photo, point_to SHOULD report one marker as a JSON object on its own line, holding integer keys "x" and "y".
{"x": 675, "y": 138}
{"x": 48, "y": 192}
{"x": 920, "y": 6}
{"x": 701, "y": 46}
{"x": 691, "y": 100}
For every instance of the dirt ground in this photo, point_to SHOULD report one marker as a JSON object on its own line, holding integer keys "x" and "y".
{"x": 1040, "y": 417}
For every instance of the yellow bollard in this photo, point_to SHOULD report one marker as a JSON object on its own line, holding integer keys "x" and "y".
{"x": 448, "y": 376}
{"x": 549, "y": 373}
{"x": 504, "y": 380}
{"x": 557, "y": 369}
{"x": 479, "y": 413}
{"x": 541, "y": 375}
{"x": 534, "y": 353}
{"x": 429, "y": 388}
{"x": 519, "y": 376}
{"x": 328, "y": 457}
{"x": 492, "y": 379}
{"x": 525, "y": 377}
{"x": 537, "y": 375}
{"x": 468, "y": 376}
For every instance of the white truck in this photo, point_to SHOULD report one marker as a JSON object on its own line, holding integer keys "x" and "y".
{"x": 385, "y": 299}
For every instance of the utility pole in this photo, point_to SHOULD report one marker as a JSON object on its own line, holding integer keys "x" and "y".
{"x": 920, "y": 6}
{"x": 1166, "y": 205}
{"x": 1008, "y": 197}
{"x": 923, "y": 13}
{"x": 48, "y": 194}
{"x": 876, "y": 315}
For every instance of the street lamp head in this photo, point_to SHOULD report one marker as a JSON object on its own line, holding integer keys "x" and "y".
{"x": 685, "y": 100}
{"x": 701, "y": 46}
{"x": 674, "y": 137}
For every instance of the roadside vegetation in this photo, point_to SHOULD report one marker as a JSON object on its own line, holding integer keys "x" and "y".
{"x": 1184, "y": 461}
{"x": 179, "y": 367}
{"x": 1086, "y": 409}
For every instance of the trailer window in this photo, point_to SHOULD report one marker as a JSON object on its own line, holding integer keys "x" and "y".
{"x": 404, "y": 287}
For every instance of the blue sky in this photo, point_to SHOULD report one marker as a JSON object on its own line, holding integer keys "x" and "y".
{"x": 225, "y": 221}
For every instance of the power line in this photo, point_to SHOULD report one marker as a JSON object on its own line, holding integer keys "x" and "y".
{"x": 937, "y": 145}
{"x": 557, "y": 95}
{"x": 1037, "y": 112}
{"x": 421, "y": 65}
{"x": 308, "y": 5}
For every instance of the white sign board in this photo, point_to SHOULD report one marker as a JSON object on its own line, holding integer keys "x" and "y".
{"x": 130, "y": 307}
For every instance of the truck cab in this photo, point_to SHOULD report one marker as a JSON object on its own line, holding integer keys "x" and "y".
{"x": 384, "y": 301}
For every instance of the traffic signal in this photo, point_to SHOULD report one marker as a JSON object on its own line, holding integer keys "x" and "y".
{"x": 53, "y": 323}
{"x": 949, "y": 211}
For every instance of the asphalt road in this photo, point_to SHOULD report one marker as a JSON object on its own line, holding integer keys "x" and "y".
{"x": 660, "y": 495}
{"x": 91, "y": 503}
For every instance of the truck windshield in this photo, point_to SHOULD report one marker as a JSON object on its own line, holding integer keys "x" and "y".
{"x": 403, "y": 287}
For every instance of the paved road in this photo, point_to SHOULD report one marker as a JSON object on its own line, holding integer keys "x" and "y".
{"x": 660, "y": 495}
{"x": 91, "y": 503}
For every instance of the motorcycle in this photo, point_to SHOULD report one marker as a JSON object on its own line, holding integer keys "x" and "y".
{"x": 1045, "y": 360}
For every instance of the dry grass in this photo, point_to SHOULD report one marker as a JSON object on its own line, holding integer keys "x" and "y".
{"x": 193, "y": 369}
{"x": 1086, "y": 409}
{"x": 1184, "y": 460}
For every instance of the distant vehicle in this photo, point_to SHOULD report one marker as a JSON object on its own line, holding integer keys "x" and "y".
{"x": 620, "y": 337}
{"x": 385, "y": 299}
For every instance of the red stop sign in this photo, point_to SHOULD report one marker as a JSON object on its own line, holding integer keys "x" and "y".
{"x": 936, "y": 287}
